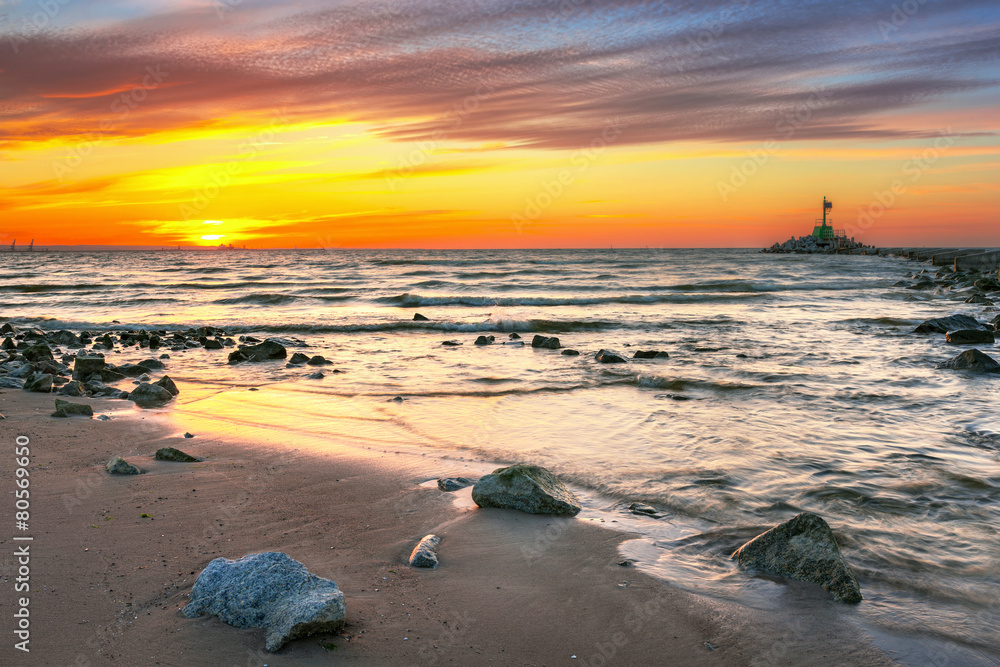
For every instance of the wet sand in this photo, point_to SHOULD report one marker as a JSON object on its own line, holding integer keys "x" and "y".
{"x": 512, "y": 589}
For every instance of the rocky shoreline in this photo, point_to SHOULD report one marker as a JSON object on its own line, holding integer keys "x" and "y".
{"x": 809, "y": 244}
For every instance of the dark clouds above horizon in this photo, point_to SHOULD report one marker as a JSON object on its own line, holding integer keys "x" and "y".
{"x": 541, "y": 73}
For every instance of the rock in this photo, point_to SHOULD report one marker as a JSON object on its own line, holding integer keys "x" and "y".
{"x": 84, "y": 367}
{"x": 609, "y": 357}
{"x": 299, "y": 358}
{"x": 39, "y": 352}
{"x": 8, "y": 344}
{"x": 111, "y": 375}
{"x": 650, "y": 354}
{"x": 644, "y": 510}
{"x": 149, "y": 395}
{"x": 514, "y": 336}
{"x": 950, "y": 323}
{"x": 39, "y": 382}
{"x": 74, "y": 388}
{"x": 545, "y": 342}
{"x": 318, "y": 360}
{"x": 454, "y": 483}
{"x": 168, "y": 384}
{"x": 972, "y": 360}
{"x": 969, "y": 336}
{"x": 988, "y": 284}
{"x": 484, "y": 340}
{"x": 171, "y": 454}
{"x": 119, "y": 466}
{"x": 151, "y": 364}
{"x": 128, "y": 370}
{"x": 65, "y": 409}
{"x": 269, "y": 349}
{"x": 23, "y": 371}
{"x": 425, "y": 553}
{"x": 977, "y": 299}
{"x": 451, "y": 343}
{"x": 268, "y": 590}
{"x": 396, "y": 399}
{"x": 7, "y": 382}
{"x": 527, "y": 488}
{"x": 318, "y": 375}
{"x": 570, "y": 353}
{"x": 212, "y": 344}
{"x": 8, "y": 328}
{"x": 188, "y": 435}
{"x": 803, "y": 548}
{"x": 417, "y": 317}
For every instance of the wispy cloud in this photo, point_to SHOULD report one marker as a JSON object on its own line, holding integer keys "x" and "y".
{"x": 557, "y": 72}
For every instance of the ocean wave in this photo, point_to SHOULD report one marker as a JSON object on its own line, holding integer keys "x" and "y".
{"x": 261, "y": 299}
{"x": 408, "y": 300}
{"x": 681, "y": 384}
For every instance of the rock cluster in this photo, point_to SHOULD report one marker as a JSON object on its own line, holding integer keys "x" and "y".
{"x": 810, "y": 244}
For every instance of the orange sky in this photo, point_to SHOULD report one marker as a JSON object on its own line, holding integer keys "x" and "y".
{"x": 280, "y": 126}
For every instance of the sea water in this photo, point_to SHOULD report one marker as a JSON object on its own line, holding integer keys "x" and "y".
{"x": 794, "y": 383}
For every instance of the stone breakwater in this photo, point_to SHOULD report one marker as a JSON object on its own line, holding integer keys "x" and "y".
{"x": 810, "y": 245}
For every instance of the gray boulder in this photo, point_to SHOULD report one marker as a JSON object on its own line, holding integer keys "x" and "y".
{"x": 39, "y": 382}
{"x": 318, "y": 360}
{"x": 266, "y": 351}
{"x": 425, "y": 553}
{"x": 527, "y": 488}
{"x": 268, "y": 590}
{"x": 644, "y": 510}
{"x": 969, "y": 337}
{"x": 65, "y": 409}
{"x": 149, "y": 395}
{"x": 972, "y": 360}
{"x": 805, "y": 549}
{"x": 39, "y": 352}
{"x": 454, "y": 483}
{"x": 119, "y": 466}
{"x": 609, "y": 357}
{"x": 299, "y": 358}
{"x": 74, "y": 388}
{"x": 570, "y": 353}
{"x": 950, "y": 323}
{"x": 176, "y": 455}
{"x": 84, "y": 367}
{"x": 151, "y": 364}
{"x": 417, "y": 317}
{"x": 7, "y": 382}
{"x": 650, "y": 354}
{"x": 484, "y": 340}
{"x": 545, "y": 342}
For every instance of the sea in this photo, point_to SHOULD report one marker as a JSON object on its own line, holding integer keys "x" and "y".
{"x": 793, "y": 383}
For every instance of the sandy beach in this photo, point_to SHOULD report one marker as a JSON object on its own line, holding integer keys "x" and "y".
{"x": 512, "y": 589}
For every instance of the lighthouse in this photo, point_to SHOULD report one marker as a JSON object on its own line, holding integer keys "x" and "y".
{"x": 823, "y": 231}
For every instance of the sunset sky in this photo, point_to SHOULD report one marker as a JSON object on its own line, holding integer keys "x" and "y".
{"x": 497, "y": 123}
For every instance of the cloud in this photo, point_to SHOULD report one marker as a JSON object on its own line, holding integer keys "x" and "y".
{"x": 538, "y": 73}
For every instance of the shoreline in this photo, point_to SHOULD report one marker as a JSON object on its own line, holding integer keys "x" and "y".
{"x": 112, "y": 582}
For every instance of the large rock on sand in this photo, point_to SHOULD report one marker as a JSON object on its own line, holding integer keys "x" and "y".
{"x": 271, "y": 591}
{"x": 803, "y": 548}
{"x": 39, "y": 382}
{"x": 950, "y": 323}
{"x": 38, "y": 352}
{"x": 119, "y": 466}
{"x": 425, "y": 553}
{"x": 972, "y": 360}
{"x": 527, "y": 488}
{"x": 148, "y": 395}
{"x": 269, "y": 349}
{"x": 176, "y": 455}
{"x": 66, "y": 409}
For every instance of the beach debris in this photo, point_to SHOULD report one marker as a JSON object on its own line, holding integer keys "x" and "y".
{"x": 65, "y": 409}
{"x": 168, "y": 384}
{"x": 972, "y": 360}
{"x": 650, "y": 354}
{"x": 969, "y": 337}
{"x": 269, "y": 349}
{"x": 950, "y": 323}
{"x": 85, "y": 366}
{"x": 546, "y": 342}
{"x": 643, "y": 509}
{"x": 119, "y": 466}
{"x": 176, "y": 455}
{"x": 570, "y": 353}
{"x": 454, "y": 483}
{"x": 484, "y": 340}
{"x": 149, "y": 395}
{"x": 298, "y": 358}
{"x": 609, "y": 357}
{"x": 417, "y": 317}
{"x": 805, "y": 549}
{"x": 527, "y": 488}
{"x": 39, "y": 382}
{"x": 269, "y": 590}
{"x": 425, "y": 553}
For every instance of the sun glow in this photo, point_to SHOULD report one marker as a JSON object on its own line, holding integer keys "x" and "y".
{"x": 212, "y": 237}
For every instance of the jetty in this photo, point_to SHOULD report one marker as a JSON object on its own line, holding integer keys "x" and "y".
{"x": 824, "y": 239}
{"x": 960, "y": 259}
